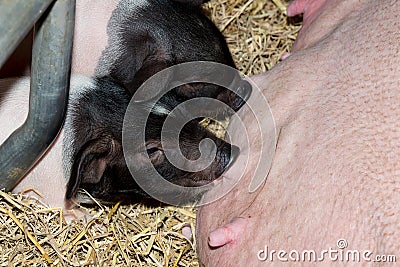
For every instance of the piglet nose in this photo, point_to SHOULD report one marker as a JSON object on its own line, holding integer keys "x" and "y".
{"x": 244, "y": 92}
{"x": 235, "y": 151}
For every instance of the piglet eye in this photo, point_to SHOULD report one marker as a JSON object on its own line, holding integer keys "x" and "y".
{"x": 152, "y": 150}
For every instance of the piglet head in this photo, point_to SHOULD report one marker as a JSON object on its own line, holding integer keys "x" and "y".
{"x": 96, "y": 157}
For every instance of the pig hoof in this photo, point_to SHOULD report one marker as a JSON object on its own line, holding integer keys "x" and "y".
{"x": 228, "y": 234}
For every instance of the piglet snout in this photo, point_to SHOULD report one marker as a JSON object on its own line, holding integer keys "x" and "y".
{"x": 241, "y": 91}
{"x": 231, "y": 155}
{"x": 235, "y": 151}
{"x": 244, "y": 92}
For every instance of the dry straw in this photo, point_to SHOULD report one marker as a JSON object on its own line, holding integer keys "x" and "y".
{"x": 32, "y": 234}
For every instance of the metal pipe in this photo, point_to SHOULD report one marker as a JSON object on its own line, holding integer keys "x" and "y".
{"x": 51, "y": 67}
{"x": 17, "y": 17}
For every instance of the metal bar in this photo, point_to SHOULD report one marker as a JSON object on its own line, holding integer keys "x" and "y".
{"x": 51, "y": 67}
{"x": 17, "y": 17}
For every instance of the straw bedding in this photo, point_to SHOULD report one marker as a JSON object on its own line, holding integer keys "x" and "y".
{"x": 32, "y": 234}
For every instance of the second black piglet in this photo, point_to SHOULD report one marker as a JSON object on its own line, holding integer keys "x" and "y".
{"x": 148, "y": 36}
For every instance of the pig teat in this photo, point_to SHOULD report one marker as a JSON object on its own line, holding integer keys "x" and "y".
{"x": 227, "y": 234}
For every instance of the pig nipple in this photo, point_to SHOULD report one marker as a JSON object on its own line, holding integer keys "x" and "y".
{"x": 228, "y": 234}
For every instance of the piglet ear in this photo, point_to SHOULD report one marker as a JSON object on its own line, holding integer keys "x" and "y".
{"x": 90, "y": 164}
